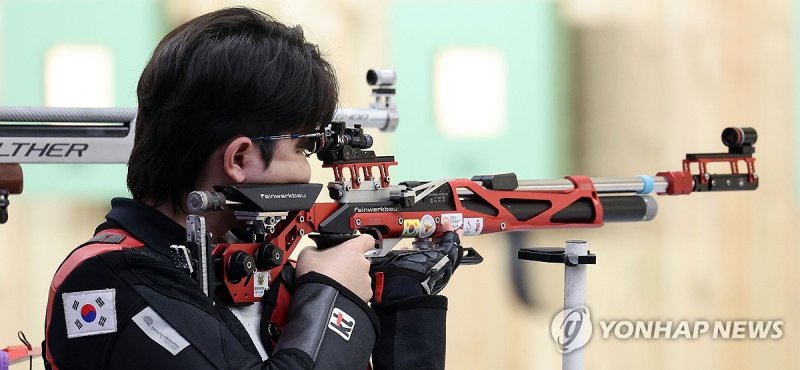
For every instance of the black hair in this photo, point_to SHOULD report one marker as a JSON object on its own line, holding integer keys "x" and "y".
{"x": 234, "y": 72}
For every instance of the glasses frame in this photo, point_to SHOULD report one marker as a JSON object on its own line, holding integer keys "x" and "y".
{"x": 307, "y": 152}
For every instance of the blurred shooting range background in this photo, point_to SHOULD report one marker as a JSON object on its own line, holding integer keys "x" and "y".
{"x": 541, "y": 88}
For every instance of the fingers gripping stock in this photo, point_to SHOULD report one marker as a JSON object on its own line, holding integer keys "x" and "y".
{"x": 403, "y": 274}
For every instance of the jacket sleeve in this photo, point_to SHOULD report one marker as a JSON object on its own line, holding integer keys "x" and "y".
{"x": 412, "y": 333}
{"x": 330, "y": 323}
{"x": 164, "y": 322}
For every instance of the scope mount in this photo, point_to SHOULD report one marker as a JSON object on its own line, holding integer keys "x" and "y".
{"x": 346, "y": 151}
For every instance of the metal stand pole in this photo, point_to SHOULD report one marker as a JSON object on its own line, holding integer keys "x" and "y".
{"x": 574, "y": 296}
{"x": 574, "y": 256}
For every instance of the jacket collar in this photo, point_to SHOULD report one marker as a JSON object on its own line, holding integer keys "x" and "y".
{"x": 145, "y": 223}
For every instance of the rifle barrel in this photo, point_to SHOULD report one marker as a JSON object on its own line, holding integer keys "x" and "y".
{"x": 383, "y": 119}
{"x": 608, "y": 185}
{"x": 59, "y": 114}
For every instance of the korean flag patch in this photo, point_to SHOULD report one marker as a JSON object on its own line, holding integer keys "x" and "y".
{"x": 91, "y": 312}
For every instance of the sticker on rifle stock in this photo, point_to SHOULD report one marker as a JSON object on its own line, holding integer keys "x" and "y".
{"x": 473, "y": 226}
{"x": 341, "y": 323}
{"x": 456, "y": 219}
{"x": 427, "y": 225}
{"x": 260, "y": 282}
{"x": 410, "y": 227}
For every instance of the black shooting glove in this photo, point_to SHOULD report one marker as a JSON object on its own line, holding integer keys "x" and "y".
{"x": 412, "y": 317}
{"x": 407, "y": 274}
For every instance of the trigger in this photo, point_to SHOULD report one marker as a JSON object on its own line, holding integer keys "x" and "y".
{"x": 375, "y": 233}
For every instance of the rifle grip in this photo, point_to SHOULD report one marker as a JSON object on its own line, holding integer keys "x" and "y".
{"x": 325, "y": 241}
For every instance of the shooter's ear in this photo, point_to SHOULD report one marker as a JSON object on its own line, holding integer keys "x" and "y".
{"x": 239, "y": 155}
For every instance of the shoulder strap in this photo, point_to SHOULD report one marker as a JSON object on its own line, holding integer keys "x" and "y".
{"x": 105, "y": 241}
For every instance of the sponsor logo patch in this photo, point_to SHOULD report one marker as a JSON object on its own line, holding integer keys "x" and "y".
{"x": 90, "y": 312}
{"x": 160, "y": 331}
{"x": 341, "y": 323}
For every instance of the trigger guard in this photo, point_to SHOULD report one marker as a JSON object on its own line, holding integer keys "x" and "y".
{"x": 383, "y": 247}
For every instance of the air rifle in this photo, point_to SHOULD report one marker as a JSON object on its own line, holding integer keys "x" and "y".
{"x": 365, "y": 201}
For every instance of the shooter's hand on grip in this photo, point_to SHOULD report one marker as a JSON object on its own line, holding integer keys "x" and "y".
{"x": 412, "y": 317}
{"x": 403, "y": 274}
{"x": 344, "y": 263}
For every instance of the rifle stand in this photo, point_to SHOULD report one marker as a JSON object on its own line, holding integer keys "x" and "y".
{"x": 575, "y": 256}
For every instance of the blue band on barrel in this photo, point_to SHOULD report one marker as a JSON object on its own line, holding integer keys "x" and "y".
{"x": 649, "y": 184}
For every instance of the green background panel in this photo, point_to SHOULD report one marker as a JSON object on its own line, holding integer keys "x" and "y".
{"x": 130, "y": 29}
{"x": 532, "y": 40}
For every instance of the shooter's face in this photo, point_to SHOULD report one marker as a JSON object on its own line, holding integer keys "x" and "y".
{"x": 289, "y": 166}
